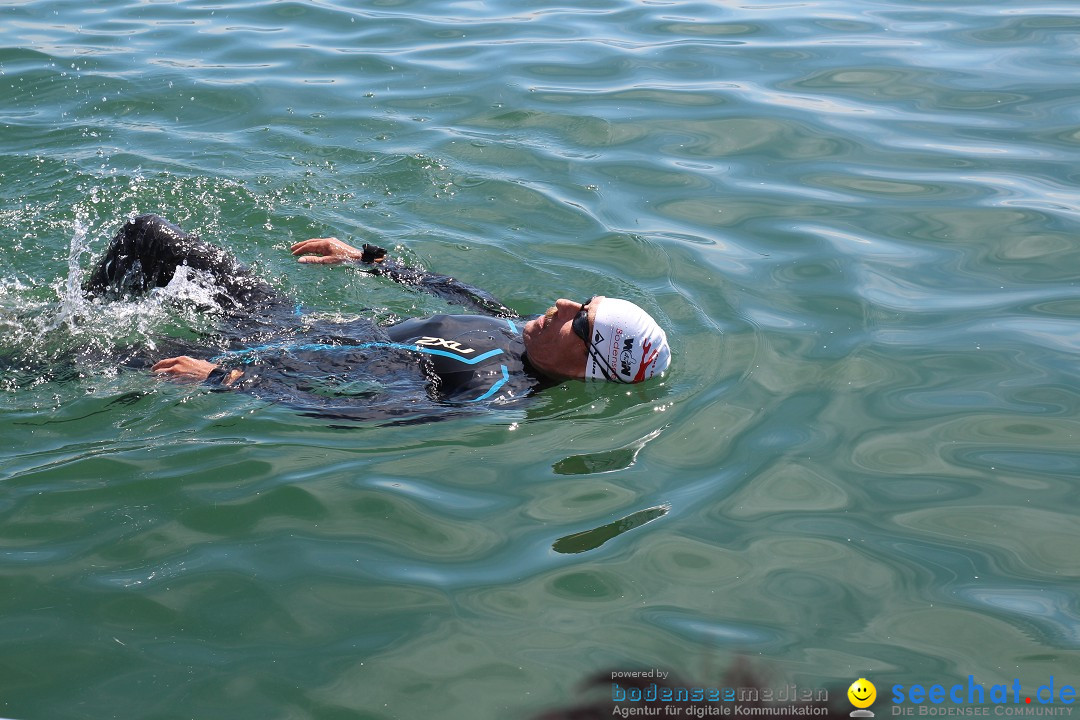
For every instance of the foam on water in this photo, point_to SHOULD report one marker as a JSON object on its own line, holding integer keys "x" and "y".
{"x": 72, "y": 298}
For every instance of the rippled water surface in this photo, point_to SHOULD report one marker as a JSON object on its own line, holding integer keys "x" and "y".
{"x": 857, "y": 220}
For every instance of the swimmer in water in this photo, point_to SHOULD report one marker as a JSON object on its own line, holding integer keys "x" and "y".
{"x": 491, "y": 357}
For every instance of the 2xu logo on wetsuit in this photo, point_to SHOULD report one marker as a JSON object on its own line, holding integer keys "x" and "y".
{"x": 435, "y": 342}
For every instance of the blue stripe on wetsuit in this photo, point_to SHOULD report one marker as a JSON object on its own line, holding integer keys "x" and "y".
{"x": 494, "y": 388}
{"x": 317, "y": 347}
{"x": 323, "y": 347}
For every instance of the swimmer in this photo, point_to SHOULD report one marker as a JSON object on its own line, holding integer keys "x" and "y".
{"x": 492, "y": 356}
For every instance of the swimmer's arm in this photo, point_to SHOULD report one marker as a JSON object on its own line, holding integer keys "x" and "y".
{"x": 328, "y": 251}
{"x": 189, "y": 368}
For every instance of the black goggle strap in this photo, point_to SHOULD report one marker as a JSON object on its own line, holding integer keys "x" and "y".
{"x": 597, "y": 356}
{"x": 605, "y": 368}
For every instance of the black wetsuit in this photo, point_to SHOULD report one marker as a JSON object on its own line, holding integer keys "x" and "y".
{"x": 422, "y": 368}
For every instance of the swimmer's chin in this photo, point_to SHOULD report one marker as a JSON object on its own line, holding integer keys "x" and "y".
{"x": 532, "y": 328}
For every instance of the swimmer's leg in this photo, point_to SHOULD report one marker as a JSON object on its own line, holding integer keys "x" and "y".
{"x": 147, "y": 251}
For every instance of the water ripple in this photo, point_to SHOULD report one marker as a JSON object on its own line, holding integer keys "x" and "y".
{"x": 857, "y": 223}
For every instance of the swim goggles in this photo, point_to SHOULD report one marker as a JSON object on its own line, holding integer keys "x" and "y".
{"x": 580, "y": 326}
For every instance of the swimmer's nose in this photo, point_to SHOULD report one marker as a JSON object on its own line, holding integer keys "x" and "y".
{"x": 567, "y": 308}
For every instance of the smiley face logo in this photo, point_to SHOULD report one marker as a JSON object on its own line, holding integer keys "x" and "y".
{"x": 862, "y": 693}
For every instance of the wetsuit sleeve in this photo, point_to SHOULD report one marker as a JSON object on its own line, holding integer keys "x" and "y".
{"x": 216, "y": 376}
{"x": 442, "y": 286}
{"x": 148, "y": 250}
{"x": 219, "y": 377}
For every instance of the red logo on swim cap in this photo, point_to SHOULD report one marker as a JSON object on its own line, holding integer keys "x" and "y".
{"x": 646, "y": 360}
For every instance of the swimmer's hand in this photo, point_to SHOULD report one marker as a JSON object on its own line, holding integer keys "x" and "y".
{"x": 328, "y": 251}
{"x": 189, "y": 368}
{"x": 183, "y": 368}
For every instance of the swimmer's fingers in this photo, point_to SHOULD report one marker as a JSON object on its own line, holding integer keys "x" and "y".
{"x": 325, "y": 251}
{"x": 164, "y": 366}
{"x": 183, "y": 367}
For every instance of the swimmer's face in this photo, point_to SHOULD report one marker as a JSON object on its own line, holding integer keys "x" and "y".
{"x": 551, "y": 344}
{"x": 862, "y": 693}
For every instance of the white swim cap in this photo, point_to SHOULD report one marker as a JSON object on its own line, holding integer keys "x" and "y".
{"x": 627, "y": 345}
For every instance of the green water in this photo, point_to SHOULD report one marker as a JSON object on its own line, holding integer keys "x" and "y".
{"x": 857, "y": 220}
